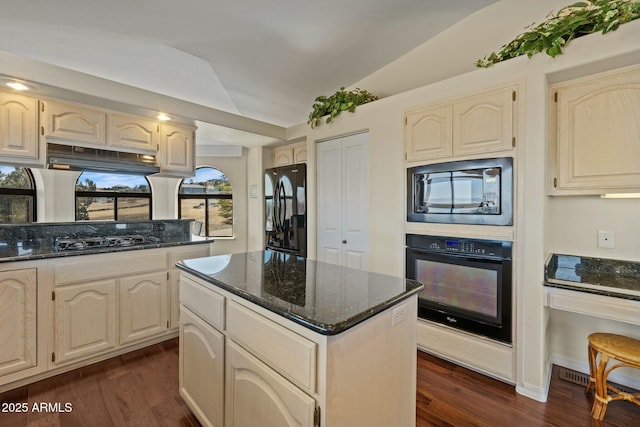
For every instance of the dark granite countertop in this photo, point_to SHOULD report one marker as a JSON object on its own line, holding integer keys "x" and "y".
{"x": 31, "y": 254}
{"x": 36, "y": 241}
{"x": 602, "y": 276}
{"x": 325, "y": 298}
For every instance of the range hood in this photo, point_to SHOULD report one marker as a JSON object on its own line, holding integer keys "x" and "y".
{"x": 74, "y": 158}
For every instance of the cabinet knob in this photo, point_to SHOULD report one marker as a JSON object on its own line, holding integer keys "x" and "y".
{"x": 344, "y": 241}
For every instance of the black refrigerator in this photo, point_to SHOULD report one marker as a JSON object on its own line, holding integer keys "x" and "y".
{"x": 285, "y": 209}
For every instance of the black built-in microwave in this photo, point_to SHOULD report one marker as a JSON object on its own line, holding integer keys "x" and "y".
{"x": 462, "y": 192}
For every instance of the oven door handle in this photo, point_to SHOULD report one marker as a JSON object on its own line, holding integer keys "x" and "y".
{"x": 470, "y": 257}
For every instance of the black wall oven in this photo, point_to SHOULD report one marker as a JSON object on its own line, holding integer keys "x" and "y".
{"x": 467, "y": 283}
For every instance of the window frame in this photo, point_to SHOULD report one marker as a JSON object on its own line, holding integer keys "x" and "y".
{"x": 32, "y": 215}
{"x": 205, "y": 197}
{"x": 115, "y": 195}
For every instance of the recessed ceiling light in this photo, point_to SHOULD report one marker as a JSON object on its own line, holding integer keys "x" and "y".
{"x": 163, "y": 117}
{"x": 18, "y": 86}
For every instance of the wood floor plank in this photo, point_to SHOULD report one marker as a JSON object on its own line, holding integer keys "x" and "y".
{"x": 141, "y": 389}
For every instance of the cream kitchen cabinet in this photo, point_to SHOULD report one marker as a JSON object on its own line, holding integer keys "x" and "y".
{"x": 18, "y": 314}
{"x": 594, "y": 134}
{"x": 108, "y": 301}
{"x": 133, "y": 134}
{"x": 175, "y": 255}
{"x": 246, "y": 381}
{"x": 202, "y": 343}
{"x": 19, "y": 130}
{"x": 176, "y": 154}
{"x": 273, "y": 400}
{"x": 85, "y": 320}
{"x": 282, "y": 156}
{"x": 143, "y": 306}
{"x": 278, "y": 372}
{"x": 478, "y": 124}
{"x": 428, "y": 133}
{"x": 73, "y": 123}
{"x": 290, "y": 154}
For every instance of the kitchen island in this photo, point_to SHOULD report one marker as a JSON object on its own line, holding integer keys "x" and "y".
{"x": 268, "y": 338}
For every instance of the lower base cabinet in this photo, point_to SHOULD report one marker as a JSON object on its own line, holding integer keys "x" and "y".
{"x": 85, "y": 319}
{"x": 17, "y": 320}
{"x": 143, "y": 306}
{"x": 242, "y": 365}
{"x": 273, "y": 401}
{"x": 202, "y": 356}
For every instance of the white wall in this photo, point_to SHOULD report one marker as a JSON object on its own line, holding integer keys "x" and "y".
{"x": 235, "y": 168}
{"x": 537, "y": 337}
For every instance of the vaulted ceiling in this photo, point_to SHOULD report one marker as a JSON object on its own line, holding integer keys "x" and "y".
{"x": 262, "y": 59}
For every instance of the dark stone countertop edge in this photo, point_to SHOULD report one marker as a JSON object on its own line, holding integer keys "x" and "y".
{"x": 321, "y": 328}
{"x": 113, "y": 249}
{"x": 592, "y": 291}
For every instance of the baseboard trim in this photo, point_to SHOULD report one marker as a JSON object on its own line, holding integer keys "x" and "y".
{"x": 536, "y": 393}
{"x": 617, "y": 376}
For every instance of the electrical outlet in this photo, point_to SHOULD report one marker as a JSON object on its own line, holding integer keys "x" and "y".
{"x": 606, "y": 239}
{"x": 398, "y": 314}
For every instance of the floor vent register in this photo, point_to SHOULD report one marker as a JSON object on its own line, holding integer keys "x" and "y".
{"x": 579, "y": 378}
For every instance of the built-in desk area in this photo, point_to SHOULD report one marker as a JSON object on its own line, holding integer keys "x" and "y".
{"x": 600, "y": 287}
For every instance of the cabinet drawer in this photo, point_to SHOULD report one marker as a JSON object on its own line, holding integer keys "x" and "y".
{"x": 204, "y": 302}
{"x": 290, "y": 354}
{"x": 94, "y": 267}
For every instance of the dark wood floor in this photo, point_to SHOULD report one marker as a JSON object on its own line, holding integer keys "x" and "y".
{"x": 141, "y": 389}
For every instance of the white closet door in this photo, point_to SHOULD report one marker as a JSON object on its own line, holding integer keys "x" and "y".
{"x": 343, "y": 201}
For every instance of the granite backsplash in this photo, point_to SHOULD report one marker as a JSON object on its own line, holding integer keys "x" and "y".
{"x": 40, "y": 237}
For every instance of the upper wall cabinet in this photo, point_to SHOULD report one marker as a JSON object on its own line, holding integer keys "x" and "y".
{"x": 290, "y": 154}
{"x": 19, "y": 130}
{"x": 478, "y": 124}
{"x": 176, "y": 155}
{"x": 129, "y": 132}
{"x": 595, "y": 134}
{"x": 72, "y": 122}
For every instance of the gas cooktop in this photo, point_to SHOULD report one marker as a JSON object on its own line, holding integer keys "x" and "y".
{"x": 83, "y": 243}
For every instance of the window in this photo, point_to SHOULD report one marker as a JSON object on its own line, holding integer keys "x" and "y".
{"x": 17, "y": 195}
{"x": 107, "y": 196}
{"x": 206, "y": 197}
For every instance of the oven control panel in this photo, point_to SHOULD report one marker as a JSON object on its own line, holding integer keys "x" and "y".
{"x": 462, "y": 246}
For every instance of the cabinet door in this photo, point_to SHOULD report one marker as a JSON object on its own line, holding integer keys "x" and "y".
{"x": 18, "y": 128}
{"x": 598, "y": 134}
{"x": 74, "y": 123}
{"x": 283, "y": 156}
{"x": 484, "y": 123}
{"x": 427, "y": 133}
{"x": 143, "y": 306}
{"x": 17, "y": 320}
{"x": 133, "y": 132}
{"x": 85, "y": 319}
{"x": 300, "y": 153}
{"x": 202, "y": 369}
{"x": 177, "y": 149}
{"x": 273, "y": 401}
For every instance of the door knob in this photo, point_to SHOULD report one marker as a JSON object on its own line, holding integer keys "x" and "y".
{"x": 344, "y": 241}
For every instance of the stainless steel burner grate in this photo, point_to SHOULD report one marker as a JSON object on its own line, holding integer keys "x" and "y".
{"x": 83, "y": 243}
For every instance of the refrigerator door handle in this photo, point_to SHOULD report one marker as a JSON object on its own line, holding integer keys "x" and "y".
{"x": 276, "y": 208}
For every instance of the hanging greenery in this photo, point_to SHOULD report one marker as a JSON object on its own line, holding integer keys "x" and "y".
{"x": 570, "y": 22}
{"x": 340, "y": 101}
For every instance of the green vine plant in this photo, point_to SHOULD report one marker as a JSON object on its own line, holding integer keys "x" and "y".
{"x": 333, "y": 105}
{"x": 570, "y": 22}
